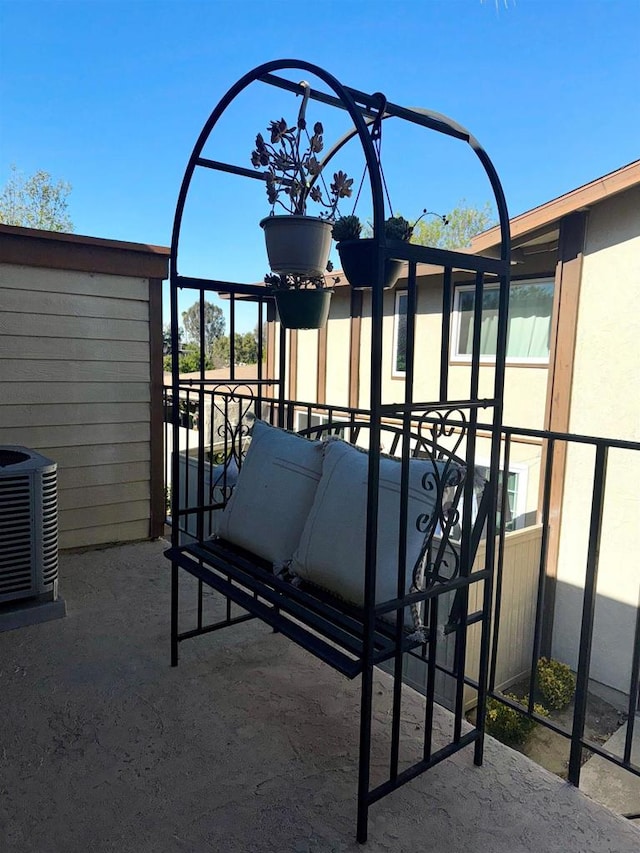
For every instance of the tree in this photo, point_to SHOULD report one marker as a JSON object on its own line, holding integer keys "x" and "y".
{"x": 220, "y": 352}
{"x": 246, "y": 350}
{"x": 35, "y": 202}
{"x": 166, "y": 339}
{"x": 463, "y": 223}
{"x": 214, "y": 324}
{"x": 189, "y": 361}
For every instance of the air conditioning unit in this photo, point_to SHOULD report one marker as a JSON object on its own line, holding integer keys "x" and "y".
{"x": 28, "y": 525}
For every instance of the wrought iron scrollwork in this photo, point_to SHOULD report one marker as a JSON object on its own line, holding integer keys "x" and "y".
{"x": 439, "y": 559}
{"x": 232, "y": 413}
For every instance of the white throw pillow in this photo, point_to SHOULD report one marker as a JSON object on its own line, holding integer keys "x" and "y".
{"x": 274, "y": 493}
{"x": 331, "y": 553}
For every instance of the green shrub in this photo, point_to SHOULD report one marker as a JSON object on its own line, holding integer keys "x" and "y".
{"x": 508, "y": 725}
{"x": 556, "y": 683}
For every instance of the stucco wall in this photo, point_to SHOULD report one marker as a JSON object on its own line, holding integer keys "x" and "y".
{"x": 307, "y": 367}
{"x": 338, "y": 337}
{"x": 607, "y": 359}
{"x": 76, "y": 385}
{"x": 605, "y": 401}
{"x": 525, "y": 386}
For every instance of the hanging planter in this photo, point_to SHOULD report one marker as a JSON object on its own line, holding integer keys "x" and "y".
{"x": 358, "y": 256}
{"x": 303, "y": 309}
{"x": 297, "y": 245}
{"x": 302, "y": 302}
{"x": 358, "y": 260}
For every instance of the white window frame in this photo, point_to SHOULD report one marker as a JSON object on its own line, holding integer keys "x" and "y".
{"x": 522, "y": 472}
{"x": 316, "y": 419}
{"x": 456, "y": 356}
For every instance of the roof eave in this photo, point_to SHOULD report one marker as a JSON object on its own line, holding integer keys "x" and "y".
{"x": 549, "y": 214}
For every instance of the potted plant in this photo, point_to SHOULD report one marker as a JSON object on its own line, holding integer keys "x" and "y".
{"x": 302, "y": 302}
{"x": 297, "y": 244}
{"x": 357, "y": 254}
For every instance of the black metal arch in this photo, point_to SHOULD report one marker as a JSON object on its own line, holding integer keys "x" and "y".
{"x": 348, "y": 99}
{"x": 227, "y": 573}
{"x": 445, "y": 125}
{"x": 264, "y": 73}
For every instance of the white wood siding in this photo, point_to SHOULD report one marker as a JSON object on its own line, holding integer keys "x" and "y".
{"x": 520, "y": 569}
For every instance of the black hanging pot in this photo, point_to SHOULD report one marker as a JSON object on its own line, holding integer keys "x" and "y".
{"x": 358, "y": 261}
{"x": 305, "y": 308}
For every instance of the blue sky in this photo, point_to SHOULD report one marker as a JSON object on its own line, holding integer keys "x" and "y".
{"x": 111, "y": 97}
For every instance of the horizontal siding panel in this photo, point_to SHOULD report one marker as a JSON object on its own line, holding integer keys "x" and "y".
{"x": 58, "y": 326}
{"x": 102, "y": 475}
{"x": 62, "y": 349}
{"x": 128, "y": 532}
{"x": 521, "y": 561}
{"x": 75, "y": 435}
{"x": 62, "y": 393}
{"x": 75, "y": 384}
{"x": 104, "y": 454}
{"x": 45, "y": 280}
{"x": 52, "y": 414}
{"x": 62, "y": 304}
{"x": 92, "y": 496}
{"x": 19, "y": 370}
{"x": 97, "y": 516}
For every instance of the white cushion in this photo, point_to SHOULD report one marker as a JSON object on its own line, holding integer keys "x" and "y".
{"x": 274, "y": 493}
{"x": 331, "y": 553}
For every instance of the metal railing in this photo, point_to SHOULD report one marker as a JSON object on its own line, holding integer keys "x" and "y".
{"x": 589, "y": 575}
{"x": 586, "y": 595}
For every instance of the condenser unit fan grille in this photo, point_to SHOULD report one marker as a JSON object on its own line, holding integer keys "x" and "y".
{"x": 28, "y": 525}
{"x": 16, "y": 573}
{"x": 49, "y": 527}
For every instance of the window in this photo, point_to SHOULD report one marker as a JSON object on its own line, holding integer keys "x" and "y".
{"x": 516, "y": 485}
{"x": 517, "y": 516}
{"x": 400, "y": 334}
{"x": 529, "y": 323}
{"x": 511, "y": 521}
{"x": 305, "y": 420}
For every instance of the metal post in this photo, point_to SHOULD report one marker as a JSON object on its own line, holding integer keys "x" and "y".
{"x": 174, "y": 614}
{"x": 588, "y": 613}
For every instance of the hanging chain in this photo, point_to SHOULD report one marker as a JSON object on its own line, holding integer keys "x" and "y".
{"x": 376, "y": 137}
{"x": 355, "y": 203}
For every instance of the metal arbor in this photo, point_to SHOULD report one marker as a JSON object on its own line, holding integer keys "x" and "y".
{"x": 444, "y": 430}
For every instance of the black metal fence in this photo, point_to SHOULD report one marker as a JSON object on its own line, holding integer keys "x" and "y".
{"x": 588, "y": 591}
{"x": 581, "y": 493}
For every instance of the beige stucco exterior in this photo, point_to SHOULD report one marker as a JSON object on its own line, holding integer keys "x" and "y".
{"x": 605, "y": 401}
{"x": 607, "y": 358}
{"x": 306, "y": 372}
{"x": 590, "y": 386}
{"x": 525, "y": 392}
{"x": 338, "y": 332}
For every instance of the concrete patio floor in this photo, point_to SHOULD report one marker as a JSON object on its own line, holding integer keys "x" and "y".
{"x": 249, "y": 745}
